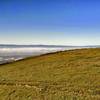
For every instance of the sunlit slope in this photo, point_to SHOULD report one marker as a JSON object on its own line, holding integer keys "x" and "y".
{"x": 68, "y": 75}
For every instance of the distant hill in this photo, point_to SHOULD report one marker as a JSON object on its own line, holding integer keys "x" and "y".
{"x": 66, "y": 75}
{"x": 13, "y": 45}
{"x": 45, "y": 46}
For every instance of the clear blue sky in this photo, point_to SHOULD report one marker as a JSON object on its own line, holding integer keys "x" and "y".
{"x": 66, "y": 22}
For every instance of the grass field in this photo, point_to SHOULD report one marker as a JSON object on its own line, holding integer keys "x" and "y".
{"x": 67, "y": 75}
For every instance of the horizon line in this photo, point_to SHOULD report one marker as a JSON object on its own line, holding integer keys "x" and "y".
{"x": 45, "y": 44}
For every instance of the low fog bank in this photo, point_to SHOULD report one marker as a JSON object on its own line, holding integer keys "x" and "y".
{"x": 8, "y": 54}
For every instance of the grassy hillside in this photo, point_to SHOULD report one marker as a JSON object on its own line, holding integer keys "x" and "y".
{"x": 68, "y": 75}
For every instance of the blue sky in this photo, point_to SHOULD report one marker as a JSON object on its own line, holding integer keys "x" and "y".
{"x": 64, "y": 22}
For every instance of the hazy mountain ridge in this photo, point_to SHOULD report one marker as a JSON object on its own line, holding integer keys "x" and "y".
{"x": 40, "y": 45}
{"x": 14, "y": 45}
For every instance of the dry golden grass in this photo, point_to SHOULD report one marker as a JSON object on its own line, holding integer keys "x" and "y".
{"x": 67, "y": 75}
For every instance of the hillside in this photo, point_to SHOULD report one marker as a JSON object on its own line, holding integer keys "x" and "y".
{"x": 67, "y": 75}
